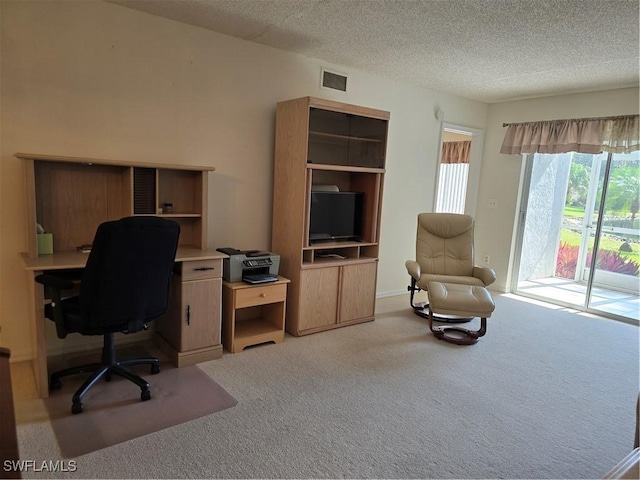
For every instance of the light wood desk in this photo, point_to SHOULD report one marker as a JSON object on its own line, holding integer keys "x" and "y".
{"x": 174, "y": 335}
{"x": 71, "y": 196}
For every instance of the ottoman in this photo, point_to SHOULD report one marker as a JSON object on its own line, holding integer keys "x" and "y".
{"x": 462, "y": 300}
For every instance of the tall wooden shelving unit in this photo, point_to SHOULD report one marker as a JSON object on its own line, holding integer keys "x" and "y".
{"x": 321, "y": 142}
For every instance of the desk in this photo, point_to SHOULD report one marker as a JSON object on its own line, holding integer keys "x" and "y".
{"x": 91, "y": 191}
{"x": 172, "y": 336}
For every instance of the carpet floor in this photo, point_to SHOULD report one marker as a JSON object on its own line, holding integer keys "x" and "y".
{"x": 113, "y": 412}
{"x": 547, "y": 393}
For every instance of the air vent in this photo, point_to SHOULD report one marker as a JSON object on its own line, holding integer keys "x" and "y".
{"x": 144, "y": 191}
{"x": 334, "y": 80}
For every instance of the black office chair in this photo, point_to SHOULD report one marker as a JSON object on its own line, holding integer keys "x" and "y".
{"x": 124, "y": 285}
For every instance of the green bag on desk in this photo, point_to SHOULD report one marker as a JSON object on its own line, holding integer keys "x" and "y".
{"x": 45, "y": 243}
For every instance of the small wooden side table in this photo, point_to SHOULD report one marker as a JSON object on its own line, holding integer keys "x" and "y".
{"x": 253, "y": 314}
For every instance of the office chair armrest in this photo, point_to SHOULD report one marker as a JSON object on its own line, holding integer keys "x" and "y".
{"x": 486, "y": 274}
{"x": 413, "y": 268}
{"x": 52, "y": 281}
{"x": 53, "y": 285}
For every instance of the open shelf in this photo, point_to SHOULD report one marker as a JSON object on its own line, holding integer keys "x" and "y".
{"x": 254, "y": 328}
{"x": 339, "y": 253}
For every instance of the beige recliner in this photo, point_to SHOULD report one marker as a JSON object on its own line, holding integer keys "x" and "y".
{"x": 444, "y": 253}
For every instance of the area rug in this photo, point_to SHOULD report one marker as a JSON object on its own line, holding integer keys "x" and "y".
{"x": 113, "y": 412}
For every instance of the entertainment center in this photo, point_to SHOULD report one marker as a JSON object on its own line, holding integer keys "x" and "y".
{"x": 328, "y": 182}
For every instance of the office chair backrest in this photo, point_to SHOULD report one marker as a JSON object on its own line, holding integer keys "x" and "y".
{"x": 128, "y": 274}
{"x": 444, "y": 243}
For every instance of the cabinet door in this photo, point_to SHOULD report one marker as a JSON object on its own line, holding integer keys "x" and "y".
{"x": 200, "y": 314}
{"x": 319, "y": 297}
{"x": 358, "y": 295}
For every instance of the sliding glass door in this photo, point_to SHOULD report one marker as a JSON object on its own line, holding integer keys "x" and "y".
{"x": 579, "y": 232}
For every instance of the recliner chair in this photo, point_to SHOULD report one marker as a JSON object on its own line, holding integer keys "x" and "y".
{"x": 445, "y": 253}
{"x": 124, "y": 285}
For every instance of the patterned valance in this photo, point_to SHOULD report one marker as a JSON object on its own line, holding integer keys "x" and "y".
{"x": 590, "y": 135}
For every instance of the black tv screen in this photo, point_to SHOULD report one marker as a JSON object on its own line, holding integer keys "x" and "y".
{"x": 335, "y": 216}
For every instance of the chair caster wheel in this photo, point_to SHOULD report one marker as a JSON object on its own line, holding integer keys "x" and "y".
{"x": 145, "y": 395}
{"x": 155, "y": 368}
{"x": 55, "y": 385}
{"x": 76, "y": 408}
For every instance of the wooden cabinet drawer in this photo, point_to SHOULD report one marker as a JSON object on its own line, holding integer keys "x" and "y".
{"x": 260, "y": 295}
{"x": 201, "y": 269}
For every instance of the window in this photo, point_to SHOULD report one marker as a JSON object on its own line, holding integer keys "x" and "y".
{"x": 458, "y": 170}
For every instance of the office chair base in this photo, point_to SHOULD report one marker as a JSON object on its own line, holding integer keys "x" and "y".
{"x": 106, "y": 371}
{"x": 108, "y": 367}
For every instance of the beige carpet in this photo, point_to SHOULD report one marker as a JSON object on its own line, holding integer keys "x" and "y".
{"x": 113, "y": 412}
{"x": 547, "y": 393}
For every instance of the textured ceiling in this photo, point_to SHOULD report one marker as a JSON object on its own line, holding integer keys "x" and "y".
{"x": 485, "y": 50}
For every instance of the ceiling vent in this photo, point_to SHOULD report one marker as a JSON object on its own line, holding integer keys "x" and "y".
{"x": 333, "y": 80}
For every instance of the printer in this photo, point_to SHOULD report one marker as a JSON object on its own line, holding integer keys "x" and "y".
{"x": 251, "y": 266}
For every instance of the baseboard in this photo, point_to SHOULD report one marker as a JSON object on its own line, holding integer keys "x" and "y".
{"x": 20, "y": 356}
{"x": 93, "y": 343}
{"x": 391, "y": 294}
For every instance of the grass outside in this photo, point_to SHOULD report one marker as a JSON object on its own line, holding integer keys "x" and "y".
{"x": 610, "y": 243}
{"x": 606, "y": 243}
{"x": 570, "y": 211}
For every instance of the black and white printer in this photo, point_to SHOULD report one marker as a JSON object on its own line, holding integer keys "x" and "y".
{"x": 251, "y": 266}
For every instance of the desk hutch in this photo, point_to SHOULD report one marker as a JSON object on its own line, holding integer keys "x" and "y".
{"x": 70, "y": 197}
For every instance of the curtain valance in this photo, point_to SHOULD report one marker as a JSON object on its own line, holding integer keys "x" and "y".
{"x": 456, "y": 152}
{"x": 621, "y": 135}
{"x": 591, "y": 135}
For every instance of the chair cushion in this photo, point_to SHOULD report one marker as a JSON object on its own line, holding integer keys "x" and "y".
{"x": 462, "y": 280}
{"x": 126, "y": 281}
{"x": 444, "y": 244}
{"x": 445, "y": 225}
{"x": 462, "y": 300}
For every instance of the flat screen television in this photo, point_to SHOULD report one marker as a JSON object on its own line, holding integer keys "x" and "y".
{"x": 335, "y": 216}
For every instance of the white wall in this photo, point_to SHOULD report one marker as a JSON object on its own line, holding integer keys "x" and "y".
{"x": 93, "y": 79}
{"x": 500, "y": 174}
{"x": 99, "y": 80}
